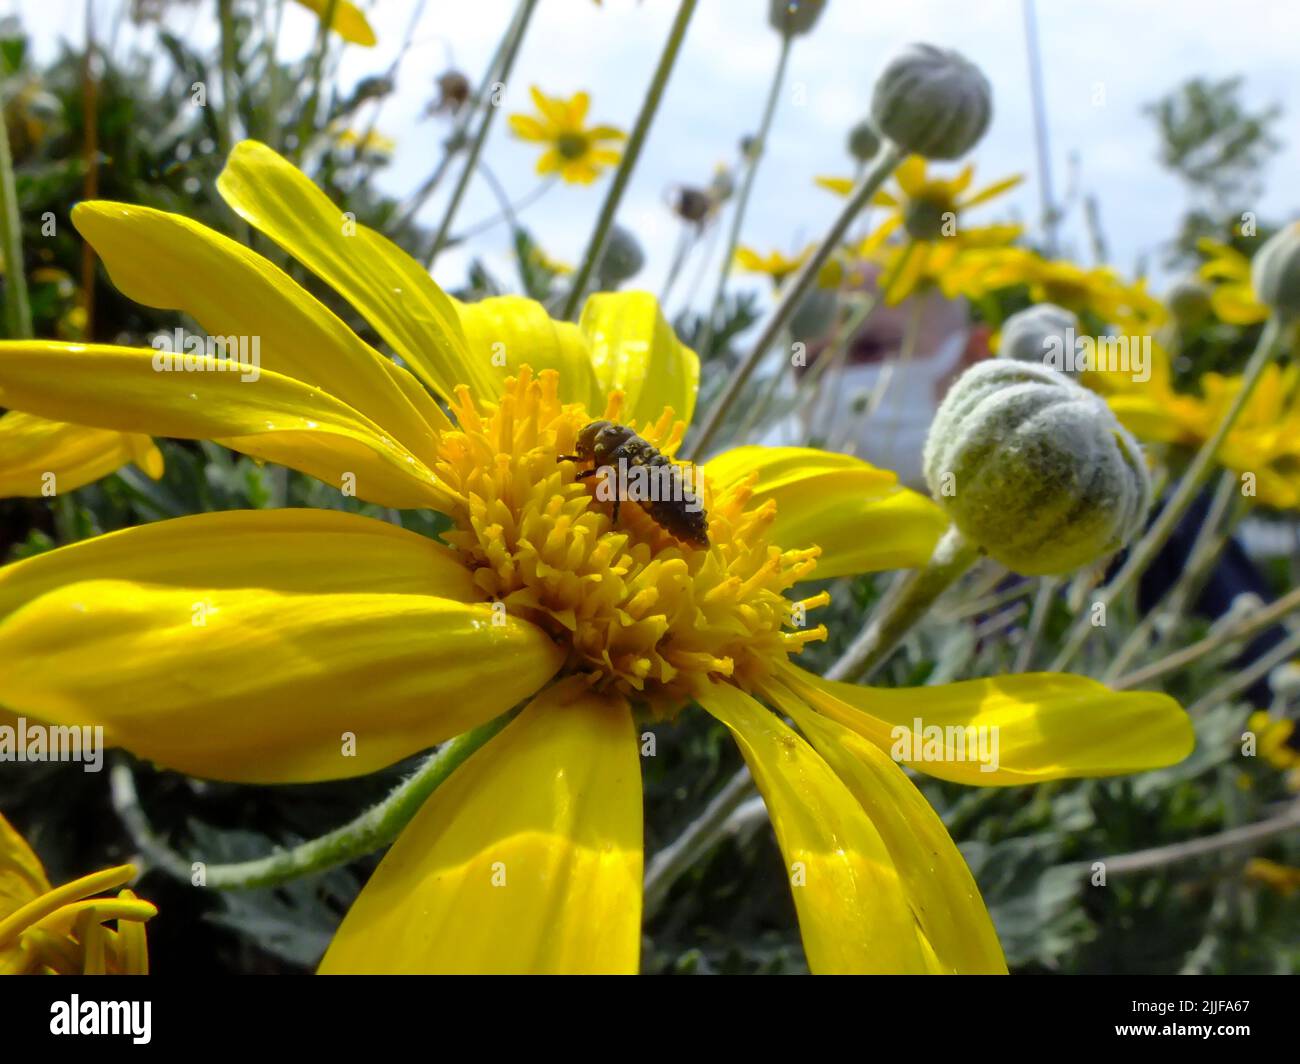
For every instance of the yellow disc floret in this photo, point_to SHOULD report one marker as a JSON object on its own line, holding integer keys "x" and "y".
{"x": 641, "y": 613}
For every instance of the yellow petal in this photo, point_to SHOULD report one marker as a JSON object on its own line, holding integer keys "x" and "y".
{"x": 633, "y": 348}
{"x": 908, "y": 275}
{"x": 1149, "y": 417}
{"x": 510, "y": 331}
{"x": 272, "y": 417}
{"x": 993, "y": 191}
{"x": 578, "y": 107}
{"x": 348, "y": 21}
{"x": 388, "y": 288}
{"x": 852, "y": 904}
{"x": 841, "y": 186}
{"x": 552, "y": 108}
{"x": 859, "y": 515}
{"x": 22, "y": 878}
{"x": 34, "y": 448}
{"x": 910, "y": 175}
{"x": 145, "y": 454}
{"x": 167, "y": 261}
{"x": 527, "y": 860}
{"x": 1008, "y": 730}
{"x": 528, "y": 128}
{"x": 940, "y": 889}
{"x": 1236, "y": 304}
{"x": 250, "y": 645}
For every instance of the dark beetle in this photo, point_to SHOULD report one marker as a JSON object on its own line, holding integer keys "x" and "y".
{"x": 608, "y": 445}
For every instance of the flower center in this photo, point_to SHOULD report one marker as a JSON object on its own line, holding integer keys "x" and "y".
{"x": 641, "y": 612}
{"x": 926, "y": 217}
{"x": 571, "y": 145}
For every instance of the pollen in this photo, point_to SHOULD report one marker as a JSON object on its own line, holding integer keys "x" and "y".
{"x": 640, "y": 613}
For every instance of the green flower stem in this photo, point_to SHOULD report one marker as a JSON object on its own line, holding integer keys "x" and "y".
{"x": 746, "y": 187}
{"x": 226, "y": 116}
{"x": 18, "y": 313}
{"x": 699, "y": 837}
{"x": 308, "y": 117}
{"x": 885, "y": 163}
{"x": 369, "y": 163}
{"x": 837, "y": 351}
{"x": 483, "y": 97}
{"x": 1048, "y": 587}
{"x": 1257, "y": 670}
{"x": 1208, "y": 546}
{"x": 904, "y": 605}
{"x": 1240, "y": 628}
{"x": 631, "y": 153}
{"x": 1145, "y": 551}
{"x": 680, "y": 251}
{"x": 522, "y": 18}
{"x": 372, "y": 830}
{"x": 507, "y": 211}
{"x": 1241, "y": 838}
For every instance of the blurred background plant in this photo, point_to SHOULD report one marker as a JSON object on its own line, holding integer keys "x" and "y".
{"x": 153, "y": 128}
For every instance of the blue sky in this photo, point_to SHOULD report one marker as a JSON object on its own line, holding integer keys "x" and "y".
{"x": 1129, "y": 53}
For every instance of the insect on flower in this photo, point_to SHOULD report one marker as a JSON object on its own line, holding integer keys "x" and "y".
{"x": 676, "y": 509}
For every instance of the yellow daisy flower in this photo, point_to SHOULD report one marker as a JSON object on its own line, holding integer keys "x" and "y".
{"x": 779, "y": 266}
{"x": 928, "y": 210}
{"x": 333, "y": 645}
{"x": 63, "y": 931}
{"x": 577, "y": 152}
{"x": 1232, "y": 297}
{"x": 1098, "y": 291}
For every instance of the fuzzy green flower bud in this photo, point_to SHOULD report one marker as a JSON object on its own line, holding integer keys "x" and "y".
{"x": 623, "y": 257}
{"x": 1035, "y": 333}
{"x": 932, "y": 101}
{"x": 864, "y": 141}
{"x": 794, "y": 18}
{"x": 1035, "y": 469}
{"x": 1188, "y": 300}
{"x": 1275, "y": 272}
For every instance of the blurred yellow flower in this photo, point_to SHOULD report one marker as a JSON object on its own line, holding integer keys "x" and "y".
{"x": 1098, "y": 291}
{"x": 928, "y": 210}
{"x": 543, "y": 261}
{"x": 779, "y": 266}
{"x": 577, "y": 152}
{"x": 1232, "y": 298}
{"x": 1264, "y": 443}
{"x": 1274, "y": 739}
{"x": 348, "y": 22}
{"x": 1281, "y": 878}
{"x": 63, "y": 931}
{"x": 370, "y": 143}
